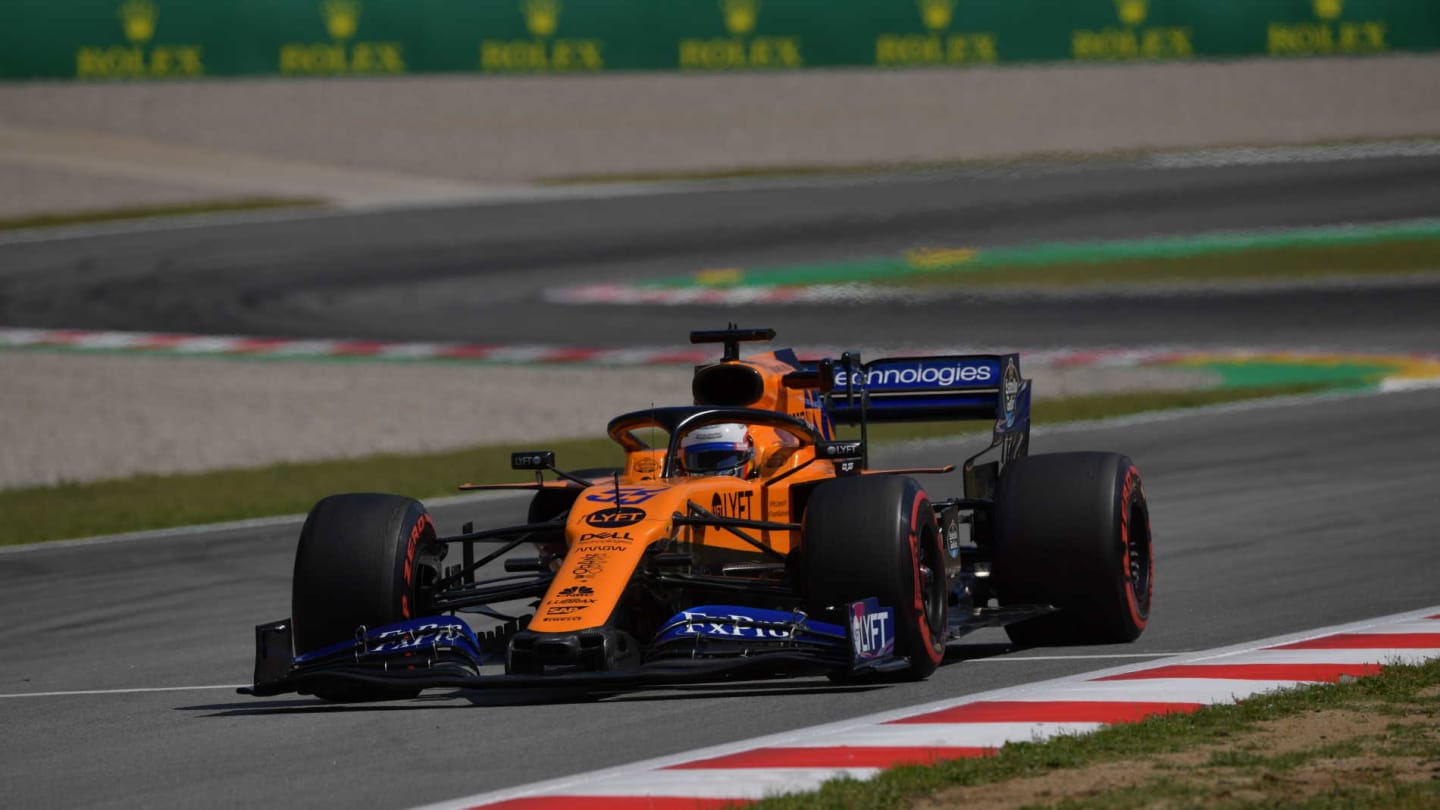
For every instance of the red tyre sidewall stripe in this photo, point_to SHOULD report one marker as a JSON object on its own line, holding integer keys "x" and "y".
{"x": 935, "y": 651}
{"x": 1129, "y": 490}
{"x": 416, "y": 532}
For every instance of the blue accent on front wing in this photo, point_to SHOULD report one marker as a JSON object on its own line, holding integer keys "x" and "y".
{"x": 407, "y": 639}
{"x": 746, "y": 624}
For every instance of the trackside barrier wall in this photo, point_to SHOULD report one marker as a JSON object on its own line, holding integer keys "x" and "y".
{"x": 154, "y": 39}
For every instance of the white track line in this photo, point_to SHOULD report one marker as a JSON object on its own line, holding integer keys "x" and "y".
{"x": 135, "y": 691}
{"x": 1024, "y": 658}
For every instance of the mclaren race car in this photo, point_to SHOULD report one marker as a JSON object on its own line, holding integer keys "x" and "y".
{"x": 742, "y": 538}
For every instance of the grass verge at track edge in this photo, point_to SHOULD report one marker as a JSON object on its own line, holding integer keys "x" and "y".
{"x": 1220, "y": 756}
{"x": 1385, "y": 249}
{"x": 60, "y": 219}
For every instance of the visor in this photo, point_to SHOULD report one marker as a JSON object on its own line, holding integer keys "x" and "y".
{"x": 715, "y": 457}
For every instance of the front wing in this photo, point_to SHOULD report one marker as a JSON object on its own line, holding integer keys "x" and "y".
{"x": 707, "y": 643}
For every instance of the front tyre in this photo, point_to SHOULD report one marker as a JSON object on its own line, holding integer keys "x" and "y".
{"x": 1073, "y": 530}
{"x": 363, "y": 559}
{"x": 876, "y": 536}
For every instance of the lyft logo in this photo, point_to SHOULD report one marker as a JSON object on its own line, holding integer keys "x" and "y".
{"x": 872, "y": 630}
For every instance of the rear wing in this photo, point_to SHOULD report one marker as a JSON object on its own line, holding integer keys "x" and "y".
{"x": 944, "y": 388}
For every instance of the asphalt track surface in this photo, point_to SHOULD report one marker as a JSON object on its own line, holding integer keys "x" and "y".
{"x": 1268, "y": 520}
{"x": 477, "y": 273}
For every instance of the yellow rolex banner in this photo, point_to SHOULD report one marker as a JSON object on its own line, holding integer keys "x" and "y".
{"x": 181, "y": 39}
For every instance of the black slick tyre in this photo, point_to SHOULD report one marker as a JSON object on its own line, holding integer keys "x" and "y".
{"x": 363, "y": 559}
{"x": 1073, "y": 530}
{"x": 876, "y": 536}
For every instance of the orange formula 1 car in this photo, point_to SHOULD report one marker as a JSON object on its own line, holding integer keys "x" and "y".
{"x": 740, "y": 539}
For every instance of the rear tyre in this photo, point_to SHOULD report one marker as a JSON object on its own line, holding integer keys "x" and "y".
{"x": 876, "y": 536}
{"x": 363, "y": 559}
{"x": 1073, "y": 530}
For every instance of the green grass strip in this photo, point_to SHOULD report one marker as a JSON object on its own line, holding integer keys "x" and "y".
{"x": 1245, "y": 375}
{"x": 150, "y": 211}
{"x": 1403, "y": 691}
{"x": 143, "y": 502}
{"x": 1385, "y": 247}
{"x": 1380, "y": 258}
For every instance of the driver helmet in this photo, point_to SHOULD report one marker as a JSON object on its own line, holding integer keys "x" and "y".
{"x": 723, "y": 449}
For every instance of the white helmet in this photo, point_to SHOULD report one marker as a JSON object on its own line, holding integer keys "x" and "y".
{"x": 723, "y": 449}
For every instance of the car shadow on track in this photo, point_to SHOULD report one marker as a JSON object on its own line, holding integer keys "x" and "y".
{"x": 974, "y": 652}
{"x": 462, "y": 699}
{"x": 311, "y": 705}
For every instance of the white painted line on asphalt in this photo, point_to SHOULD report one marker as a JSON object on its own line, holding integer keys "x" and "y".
{"x": 135, "y": 691}
{"x": 1393, "y": 384}
{"x": 952, "y": 735}
{"x": 1266, "y": 155}
{"x": 1017, "y": 659}
{"x": 731, "y": 783}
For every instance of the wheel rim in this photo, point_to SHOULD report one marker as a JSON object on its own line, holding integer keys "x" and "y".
{"x": 932, "y": 584}
{"x": 1137, "y": 553}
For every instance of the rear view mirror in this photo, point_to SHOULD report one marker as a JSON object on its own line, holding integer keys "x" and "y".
{"x": 533, "y": 460}
{"x": 848, "y": 455}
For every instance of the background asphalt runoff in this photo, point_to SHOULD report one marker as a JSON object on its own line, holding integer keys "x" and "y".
{"x": 1267, "y": 520}
{"x": 477, "y": 273}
